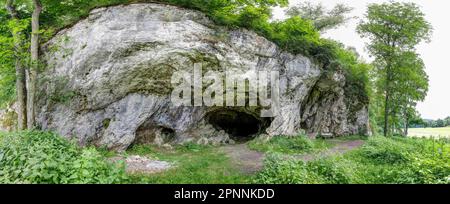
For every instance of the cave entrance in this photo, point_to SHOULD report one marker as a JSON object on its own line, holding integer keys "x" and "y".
{"x": 150, "y": 133}
{"x": 240, "y": 125}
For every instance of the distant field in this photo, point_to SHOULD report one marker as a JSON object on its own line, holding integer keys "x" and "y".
{"x": 427, "y": 132}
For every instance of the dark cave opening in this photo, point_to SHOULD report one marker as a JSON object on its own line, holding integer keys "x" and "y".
{"x": 240, "y": 125}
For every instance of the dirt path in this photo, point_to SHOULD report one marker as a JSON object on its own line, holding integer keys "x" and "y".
{"x": 249, "y": 161}
{"x": 246, "y": 160}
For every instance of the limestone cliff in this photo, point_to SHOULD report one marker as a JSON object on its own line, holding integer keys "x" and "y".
{"x": 108, "y": 81}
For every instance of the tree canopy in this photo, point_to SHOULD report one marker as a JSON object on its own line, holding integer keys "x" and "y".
{"x": 394, "y": 30}
{"x": 322, "y": 18}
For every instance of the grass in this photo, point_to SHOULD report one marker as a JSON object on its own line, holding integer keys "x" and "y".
{"x": 195, "y": 164}
{"x": 289, "y": 145}
{"x": 429, "y": 132}
{"x": 380, "y": 161}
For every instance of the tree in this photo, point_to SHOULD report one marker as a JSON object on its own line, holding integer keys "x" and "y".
{"x": 392, "y": 28}
{"x": 447, "y": 121}
{"x": 410, "y": 84}
{"x": 33, "y": 71}
{"x": 322, "y": 18}
{"x": 16, "y": 30}
{"x": 440, "y": 123}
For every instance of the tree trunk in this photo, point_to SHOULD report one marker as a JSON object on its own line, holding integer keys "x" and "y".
{"x": 20, "y": 73}
{"x": 406, "y": 126}
{"x": 21, "y": 96}
{"x": 387, "y": 98}
{"x": 33, "y": 72}
{"x": 386, "y": 114}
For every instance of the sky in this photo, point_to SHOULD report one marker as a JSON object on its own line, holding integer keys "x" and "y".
{"x": 437, "y": 103}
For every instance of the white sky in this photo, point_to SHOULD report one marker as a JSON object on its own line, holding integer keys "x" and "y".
{"x": 437, "y": 102}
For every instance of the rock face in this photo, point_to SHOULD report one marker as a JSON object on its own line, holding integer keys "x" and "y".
{"x": 8, "y": 118}
{"x": 108, "y": 82}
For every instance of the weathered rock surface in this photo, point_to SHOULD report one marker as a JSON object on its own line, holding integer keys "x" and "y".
{"x": 108, "y": 81}
{"x": 8, "y": 118}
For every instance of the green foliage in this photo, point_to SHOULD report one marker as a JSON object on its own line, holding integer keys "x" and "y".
{"x": 288, "y": 145}
{"x": 322, "y": 18}
{"x": 39, "y": 157}
{"x": 281, "y": 170}
{"x": 394, "y": 30}
{"x": 381, "y": 160}
{"x": 295, "y": 35}
{"x": 385, "y": 151}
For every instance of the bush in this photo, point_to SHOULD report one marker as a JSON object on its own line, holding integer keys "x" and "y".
{"x": 40, "y": 157}
{"x": 332, "y": 170}
{"x": 284, "y": 170}
{"x": 383, "y": 150}
{"x": 281, "y": 170}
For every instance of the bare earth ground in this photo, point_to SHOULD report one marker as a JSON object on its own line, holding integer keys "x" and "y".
{"x": 249, "y": 161}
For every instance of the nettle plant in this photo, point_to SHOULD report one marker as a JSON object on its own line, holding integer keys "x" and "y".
{"x": 39, "y": 157}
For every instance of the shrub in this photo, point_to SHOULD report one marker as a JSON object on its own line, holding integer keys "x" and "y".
{"x": 289, "y": 170}
{"x": 332, "y": 170}
{"x": 281, "y": 170}
{"x": 383, "y": 150}
{"x": 41, "y": 157}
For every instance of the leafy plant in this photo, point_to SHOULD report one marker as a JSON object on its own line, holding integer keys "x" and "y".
{"x": 381, "y": 160}
{"x": 40, "y": 157}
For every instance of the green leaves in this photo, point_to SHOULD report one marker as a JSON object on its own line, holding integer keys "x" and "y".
{"x": 394, "y": 25}
{"x": 380, "y": 160}
{"x": 394, "y": 30}
{"x": 39, "y": 157}
{"x": 321, "y": 18}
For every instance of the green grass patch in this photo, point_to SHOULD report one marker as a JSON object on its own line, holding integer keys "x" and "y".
{"x": 195, "y": 164}
{"x": 289, "y": 145}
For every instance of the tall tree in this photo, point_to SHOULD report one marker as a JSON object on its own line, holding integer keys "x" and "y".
{"x": 392, "y": 28}
{"x": 19, "y": 67}
{"x": 33, "y": 71}
{"x": 410, "y": 86}
{"x": 322, "y": 18}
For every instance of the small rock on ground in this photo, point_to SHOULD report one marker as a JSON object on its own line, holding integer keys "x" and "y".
{"x": 139, "y": 164}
